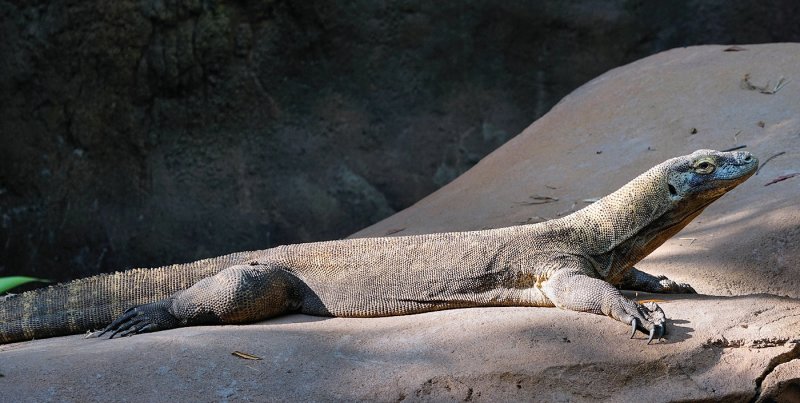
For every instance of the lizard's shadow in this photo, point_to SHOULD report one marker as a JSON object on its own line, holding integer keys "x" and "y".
{"x": 677, "y": 330}
{"x": 677, "y": 333}
{"x": 292, "y": 318}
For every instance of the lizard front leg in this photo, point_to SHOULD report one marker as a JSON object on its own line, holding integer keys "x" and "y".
{"x": 574, "y": 290}
{"x": 635, "y": 279}
{"x": 238, "y": 294}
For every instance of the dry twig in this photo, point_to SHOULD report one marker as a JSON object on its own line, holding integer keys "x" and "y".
{"x": 536, "y": 199}
{"x": 246, "y": 356}
{"x": 782, "y": 178}
{"x": 739, "y": 147}
{"x": 747, "y": 85}
{"x": 768, "y": 160}
{"x": 393, "y": 231}
{"x": 734, "y": 48}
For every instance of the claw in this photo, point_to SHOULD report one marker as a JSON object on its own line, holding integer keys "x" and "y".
{"x": 123, "y": 334}
{"x": 633, "y": 327}
{"x": 147, "y": 328}
{"x": 652, "y": 332}
{"x": 122, "y": 328}
{"x": 134, "y": 329}
{"x": 93, "y": 334}
{"x": 150, "y": 317}
{"x": 115, "y": 324}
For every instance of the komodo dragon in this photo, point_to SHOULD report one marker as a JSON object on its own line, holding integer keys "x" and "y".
{"x": 573, "y": 262}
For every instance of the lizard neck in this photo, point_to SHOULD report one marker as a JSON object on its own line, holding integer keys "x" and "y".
{"x": 613, "y": 220}
{"x": 624, "y": 227}
{"x": 613, "y": 264}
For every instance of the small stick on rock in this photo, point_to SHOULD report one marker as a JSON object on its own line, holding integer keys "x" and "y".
{"x": 734, "y": 48}
{"x": 747, "y": 85}
{"x": 393, "y": 231}
{"x": 768, "y": 160}
{"x": 781, "y": 178}
{"x": 536, "y": 199}
{"x": 739, "y": 147}
{"x": 246, "y": 356}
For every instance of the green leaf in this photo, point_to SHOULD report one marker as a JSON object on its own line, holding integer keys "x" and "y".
{"x": 7, "y": 283}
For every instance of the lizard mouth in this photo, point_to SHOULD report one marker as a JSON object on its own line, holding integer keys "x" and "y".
{"x": 748, "y": 167}
{"x": 726, "y": 181}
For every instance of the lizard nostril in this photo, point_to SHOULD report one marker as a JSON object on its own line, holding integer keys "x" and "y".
{"x": 748, "y": 158}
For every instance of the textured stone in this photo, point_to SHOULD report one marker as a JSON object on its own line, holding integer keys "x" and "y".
{"x": 479, "y": 354}
{"x": 740, "y": 347}
{"x": 631, "y": 118}
{"x": 148, "y": 132}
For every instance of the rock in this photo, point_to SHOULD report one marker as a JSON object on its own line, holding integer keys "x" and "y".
{"x": 718, "y": 348}
{"x": 137, "y": 133}
{"x": 639, "y": 115}
{"x": 733, "y": 346}
{"x": 782, "y": 384}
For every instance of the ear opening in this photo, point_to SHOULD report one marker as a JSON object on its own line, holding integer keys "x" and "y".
{"x": 672, "y": 191}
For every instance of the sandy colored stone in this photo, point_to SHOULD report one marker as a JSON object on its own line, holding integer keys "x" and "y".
{"x": 482, "y": 354}
{"x": 783, "y": 383}
{"x": 738, "y": 342}
{"x": 631, "y": 118}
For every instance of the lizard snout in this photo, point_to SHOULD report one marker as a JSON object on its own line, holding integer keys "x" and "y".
{"x": 744, "y": 158}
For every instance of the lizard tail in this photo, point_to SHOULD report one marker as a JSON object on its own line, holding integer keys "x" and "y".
{"x": 92, "y": 303}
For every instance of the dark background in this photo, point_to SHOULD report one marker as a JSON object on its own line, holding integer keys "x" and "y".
{"x": 141, "y": 133}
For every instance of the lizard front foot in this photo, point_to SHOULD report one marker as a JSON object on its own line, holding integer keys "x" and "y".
{"x": 671, "y": 287}
{"x": 142, "y": 319}
{"x": 635, "y": 279}
{"x": 648, "y": 317}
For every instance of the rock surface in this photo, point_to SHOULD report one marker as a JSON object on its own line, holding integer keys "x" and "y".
{"x": 137, "y": 133}
{"x": 740, "y": 344}
{"x": 718, "y": 348}
{"x": 631, "y": 118}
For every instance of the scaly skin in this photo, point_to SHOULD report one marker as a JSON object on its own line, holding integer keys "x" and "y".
{"x": 574, "y": 263}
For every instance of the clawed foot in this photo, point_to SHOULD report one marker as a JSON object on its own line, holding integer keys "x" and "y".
{"x": 141, "y": 319}
{"x": 671, "y": 287}
{"x": 648, "y": 317}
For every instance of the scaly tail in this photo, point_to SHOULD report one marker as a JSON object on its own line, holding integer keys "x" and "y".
{"x": 93, "y": 302}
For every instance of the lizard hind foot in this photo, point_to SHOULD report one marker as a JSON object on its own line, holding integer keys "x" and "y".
{"x": 142, "y": 319}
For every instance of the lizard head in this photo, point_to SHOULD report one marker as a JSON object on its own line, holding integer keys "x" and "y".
{"x": 697, "y": 179}
{"x": 659, "y": 203}
{"x": 692, "y": 182}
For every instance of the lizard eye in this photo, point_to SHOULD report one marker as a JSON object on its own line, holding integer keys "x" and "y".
{"x": 704, "y": 167}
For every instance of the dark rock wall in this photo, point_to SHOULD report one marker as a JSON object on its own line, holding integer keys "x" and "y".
{"x": 140, "y": 133}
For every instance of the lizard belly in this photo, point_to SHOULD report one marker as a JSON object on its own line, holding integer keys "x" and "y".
{"x": 395, "y": 276}
{"x": 416, "y": 292}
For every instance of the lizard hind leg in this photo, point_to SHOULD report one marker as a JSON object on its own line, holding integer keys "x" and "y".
{"x": 238, "y": 294}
